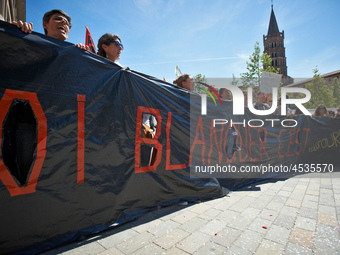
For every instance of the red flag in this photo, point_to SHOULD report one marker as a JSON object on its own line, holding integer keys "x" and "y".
{"x": 164, "y": 79}
{"x": 89, "y": 41}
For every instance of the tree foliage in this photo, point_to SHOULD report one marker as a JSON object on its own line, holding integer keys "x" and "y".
{"x": 321, "y": 93}
{"x": 235, "y": 81}
{"x": 199, "y": 87}
{"x": 256, "y": 65}
{"x": 335, "y": 87}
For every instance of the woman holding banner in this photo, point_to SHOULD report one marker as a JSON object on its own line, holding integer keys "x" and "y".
{"x": 110, "y": 46}
{"x": 320, "y": 111}
{"x": 185, "y": 81}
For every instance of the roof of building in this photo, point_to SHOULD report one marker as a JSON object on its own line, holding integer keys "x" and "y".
{"x": 273, "y": 27}
{"x": 326, "y": 75}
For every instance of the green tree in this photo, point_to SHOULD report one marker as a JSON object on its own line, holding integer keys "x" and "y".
{"x": 256, "y": 65}
{"x": 320, "y": 93}
{"x": 235, "y": 81}
{"x": 335, "y": 86}
{"x": 198, "y": 87}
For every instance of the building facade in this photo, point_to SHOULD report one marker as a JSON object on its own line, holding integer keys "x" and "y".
{"x": 12, "y": 10}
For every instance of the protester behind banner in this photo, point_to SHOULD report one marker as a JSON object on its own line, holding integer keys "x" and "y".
{"x": 56, "y": 24}
{"x": 185, "y": 81}
{"x": 331, "y": 114}
{"x": 320, "y": 111}
{"x": 260, "y": 104}
{"x": 110, "y": 46}
{"x": 224, "y": 93}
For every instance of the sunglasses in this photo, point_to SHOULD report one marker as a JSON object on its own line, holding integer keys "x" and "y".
{"x": 118, "y": 44}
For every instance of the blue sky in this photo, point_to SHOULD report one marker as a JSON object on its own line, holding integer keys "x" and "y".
{"x": 214, "y": 38}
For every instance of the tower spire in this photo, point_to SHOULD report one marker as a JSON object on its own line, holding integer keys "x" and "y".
{"x": 273, "y": 27}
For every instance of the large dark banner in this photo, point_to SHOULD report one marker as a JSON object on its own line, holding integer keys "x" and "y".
{"x": 74, "y": 159}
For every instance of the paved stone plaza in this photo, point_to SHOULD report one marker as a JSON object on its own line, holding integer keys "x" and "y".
{"x": 299, "y": 215}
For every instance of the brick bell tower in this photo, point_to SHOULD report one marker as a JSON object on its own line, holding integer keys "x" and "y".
{"x": 274, "y": 46}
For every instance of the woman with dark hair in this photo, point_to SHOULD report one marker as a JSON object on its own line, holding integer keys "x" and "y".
{"x": 110, "y": 46}
{"x": 185, "y": 81}
{"x": 320, "y": 111}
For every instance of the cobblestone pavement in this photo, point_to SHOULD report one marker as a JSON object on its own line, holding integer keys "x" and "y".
{"x": 299, "y": 215}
